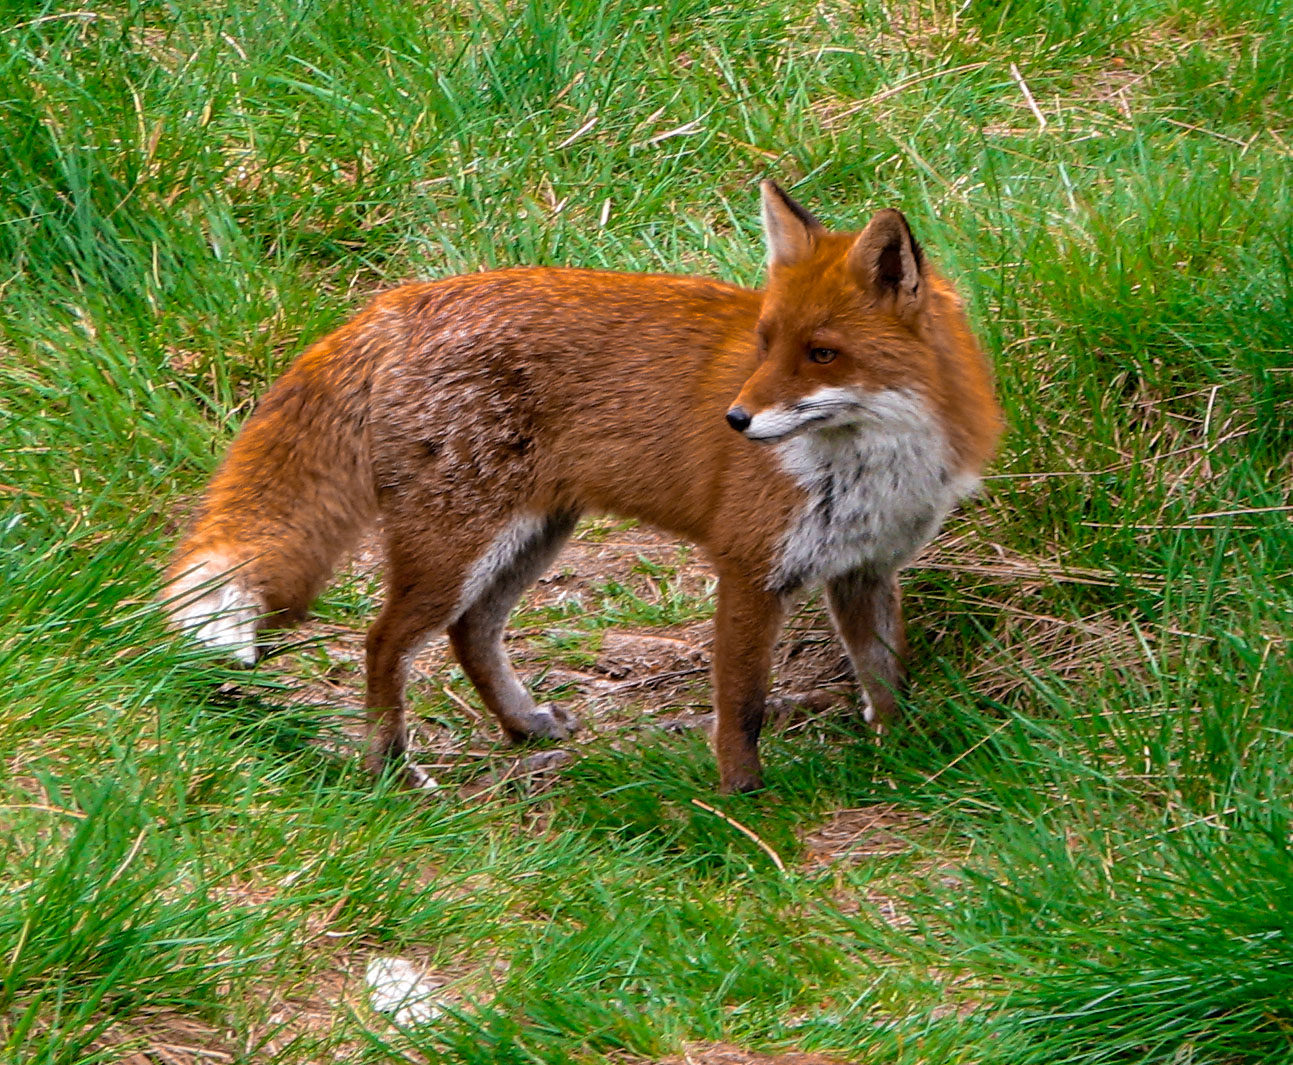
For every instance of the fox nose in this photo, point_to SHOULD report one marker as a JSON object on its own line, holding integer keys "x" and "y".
{"x": 738, "y": 419}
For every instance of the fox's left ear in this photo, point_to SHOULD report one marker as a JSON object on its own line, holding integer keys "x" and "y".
{"x": 887, "y": 261}
{"x": 789, "y": 229}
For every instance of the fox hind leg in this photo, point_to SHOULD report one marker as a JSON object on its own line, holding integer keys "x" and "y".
{"x": 467, "y": 587}
{"x": 419, "y": 603}
{"x": 477, "y": 634}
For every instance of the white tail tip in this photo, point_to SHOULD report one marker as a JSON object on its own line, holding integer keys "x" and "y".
{"x": 215, "y": 607}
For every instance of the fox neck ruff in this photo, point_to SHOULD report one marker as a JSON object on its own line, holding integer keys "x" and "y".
{"x": 877, "y": 491}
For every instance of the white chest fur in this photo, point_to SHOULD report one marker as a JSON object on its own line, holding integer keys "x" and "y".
{"x": 877, "y": 491}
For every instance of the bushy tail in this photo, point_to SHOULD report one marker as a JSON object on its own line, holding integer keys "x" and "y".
{"x": 289, "y": 501}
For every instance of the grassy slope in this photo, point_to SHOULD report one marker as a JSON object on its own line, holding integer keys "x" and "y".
{"x": 1096, "y": 784}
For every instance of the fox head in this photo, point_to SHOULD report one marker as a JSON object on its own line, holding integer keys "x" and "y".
{"x": 840, "y": 326}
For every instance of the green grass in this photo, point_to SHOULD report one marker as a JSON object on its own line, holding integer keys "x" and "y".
{"x": 1095, "y": 784}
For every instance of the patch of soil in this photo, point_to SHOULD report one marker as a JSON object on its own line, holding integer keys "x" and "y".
{"x": 167, "y": 1038}
{"x": 658, "y": 675}
{"x": 854, "y": 835}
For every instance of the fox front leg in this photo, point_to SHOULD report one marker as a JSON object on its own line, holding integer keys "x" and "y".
{"x": 746, "y": 624}
{"x": 867, "y": 612}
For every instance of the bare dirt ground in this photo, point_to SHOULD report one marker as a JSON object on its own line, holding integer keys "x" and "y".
{"x": 624, "y": 677}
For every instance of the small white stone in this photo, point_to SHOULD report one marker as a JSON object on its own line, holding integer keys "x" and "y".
{"x": 396, "y": 987}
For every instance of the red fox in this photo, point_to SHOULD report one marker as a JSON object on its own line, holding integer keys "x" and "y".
{"x": 816, "y": 432}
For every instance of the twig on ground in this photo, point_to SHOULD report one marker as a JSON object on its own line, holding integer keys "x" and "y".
{"x": 749, "y": 833}
{"x": 1028, "y": 96}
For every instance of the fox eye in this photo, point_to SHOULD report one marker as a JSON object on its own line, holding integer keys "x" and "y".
{"x": 821, "y": 356}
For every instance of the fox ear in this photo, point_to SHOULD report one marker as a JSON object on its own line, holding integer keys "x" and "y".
{"x": 788, "y": 228}
{"x": 887, "y": 261}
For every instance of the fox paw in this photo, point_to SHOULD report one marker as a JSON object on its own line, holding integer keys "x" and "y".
{"x": 740, "y": 781}
{"x": 545, "y": 722}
